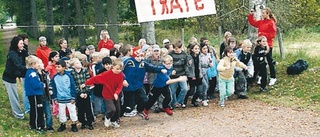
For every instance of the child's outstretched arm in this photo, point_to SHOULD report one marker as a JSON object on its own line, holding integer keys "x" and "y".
{"x": 181, "y": 78}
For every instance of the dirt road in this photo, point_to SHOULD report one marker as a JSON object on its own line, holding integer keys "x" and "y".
{"x": 238, "y": 118}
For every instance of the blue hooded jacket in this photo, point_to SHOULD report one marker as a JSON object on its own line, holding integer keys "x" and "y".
{"x": 63, "y": 87}
{"x": 134, "y": 72}
{"x": 33, "y": 86}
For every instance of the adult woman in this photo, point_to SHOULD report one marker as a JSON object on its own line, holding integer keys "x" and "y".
{"x": 105, "y": 41}
{"x": 14, "y": 68}
{"x": 266, "y": 27}
{"x": 64, "y": 50}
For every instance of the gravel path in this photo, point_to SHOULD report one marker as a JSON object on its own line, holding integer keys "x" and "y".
{"x": 238, "y": 118}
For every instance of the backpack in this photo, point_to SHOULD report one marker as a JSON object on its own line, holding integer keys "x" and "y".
{"x": 298, "y": 67}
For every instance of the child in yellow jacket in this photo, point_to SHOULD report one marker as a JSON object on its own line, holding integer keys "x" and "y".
{"x": 225, "y": 69}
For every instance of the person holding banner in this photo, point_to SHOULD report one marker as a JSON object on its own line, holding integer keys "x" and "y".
{"x": 266, "y": 27}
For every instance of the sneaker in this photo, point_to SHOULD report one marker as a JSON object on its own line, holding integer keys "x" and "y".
{"x": 177, "y": 105}
{"x": 74, "y": 128}
{"x": 205, "y": 103}
{"x": 263, "y": 89}
{"x": 272, "y": 81}
{"x": 259, "y": 80}
{"x": 115, "y": 124}
{"x": 62, "y": 127}
{"x": 195, "y": 104}
{"x": 157, "y": 110}
{"x": 242, "y": 97}
{"x": 50, "y": 129}
{"x": 91, "y": 127}
{"x": 168, "y": 111}
{"x": 131, "y": 114}
{"x": 222, "y": 103}
{"x": 83, "y": 126}
{"x": 107, "y": 122}
{"x": 183, "y": 106}
{"x": 143, "y": 115}
{"x": 198, "y": 100}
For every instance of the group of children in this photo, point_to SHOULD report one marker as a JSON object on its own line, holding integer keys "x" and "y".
{"x": 136, "y": 80}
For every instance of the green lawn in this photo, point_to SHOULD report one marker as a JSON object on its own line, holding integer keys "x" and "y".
{"x": 300, "y": 92}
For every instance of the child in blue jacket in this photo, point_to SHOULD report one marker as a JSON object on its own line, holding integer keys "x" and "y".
{"x": 34, "y": 91}
{"x": 64, "y": 94}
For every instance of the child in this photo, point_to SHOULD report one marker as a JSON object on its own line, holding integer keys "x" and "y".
{"x": 112, "y": 86}
{"x": 259, "y": 55}
{"x": 134, "y": 69}
{"x": 197, "y": 82}
{"x": 155, "y": 59}
{"x": 34, "y": 91}
{"x": 226, "y": 68}
{"x": 51, "y": 69}
{"x": 161, "y": 86}
{"x": 80, "y": 75}
{"x": 64, "y": 94}
{"x": 99, "y": 106}
{"x": 244, "y": 55}
{"x": 46, "y": 99}
{"x": 179, "y": 69}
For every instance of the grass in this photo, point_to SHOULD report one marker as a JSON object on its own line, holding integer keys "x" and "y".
{"x": 300, "y": 92}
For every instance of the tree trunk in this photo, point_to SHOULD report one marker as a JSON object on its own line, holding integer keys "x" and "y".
{"x": 65, "y": 20}
{"x": 34, "y": 30}
{"x": 112, "y": 12}
{"x": 99, "y": 17}
{"x": 50, "y": 31}
{"x": 81, "y": 33}
{"x": 148, "y": 32}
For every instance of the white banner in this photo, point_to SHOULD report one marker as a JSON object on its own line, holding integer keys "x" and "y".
{"x": 153, "y": 10}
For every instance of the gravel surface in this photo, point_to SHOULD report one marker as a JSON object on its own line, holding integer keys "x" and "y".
{"x": 239, "y": 118}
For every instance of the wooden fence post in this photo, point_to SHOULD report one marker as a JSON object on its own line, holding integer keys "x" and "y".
{"x": 280, "y": 43}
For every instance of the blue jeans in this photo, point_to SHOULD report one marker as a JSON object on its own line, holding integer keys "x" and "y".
{"x": 47, "y": 113}
{"x": 25, "y": 100}
{"x": 180, "y": 98}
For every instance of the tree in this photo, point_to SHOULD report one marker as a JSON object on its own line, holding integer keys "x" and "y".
{"x": 49, "y": 29}
{"x": 81, "y": 33}
{"x": 148, "y": 32}
{"x": 99, "y": 17}
{"x": 65, "y": 20}
{"x": 34, "y": 30}
{"x": 112, "y": 12}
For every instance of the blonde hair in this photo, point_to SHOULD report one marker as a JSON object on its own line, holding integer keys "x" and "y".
{"x": 113, "y": 58}
{"x": 73, "y": 60}
{"x": 142, "y": 42}
{"x": 104, "y": 32}
{"x": 163, "y": 52}
{"x": 104, "y": 52}
{"x": 246, "y": 43}
{"x": 271, "y": 15}
{"x": 31, "y": 60}
{"x": 167, "y": 58}
{"x": 117, "y": 62}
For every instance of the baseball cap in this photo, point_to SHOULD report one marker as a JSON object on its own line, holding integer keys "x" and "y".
{"x": 156, "y": 47}
{"x": 166, "y": 41}
{"x": 91, "y": 47}
{"x": 145, "y": 48}
{"x": 137, "y": 51}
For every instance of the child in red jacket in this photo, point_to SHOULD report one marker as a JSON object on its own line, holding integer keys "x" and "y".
{"x": 111, "y": 90}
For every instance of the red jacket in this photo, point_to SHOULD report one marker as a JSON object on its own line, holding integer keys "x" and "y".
{"x": 112, "y": 83}
{"x": 265, "y": 27}
{"x": 43, "y": 52}
{"x": 108, "y": 44}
